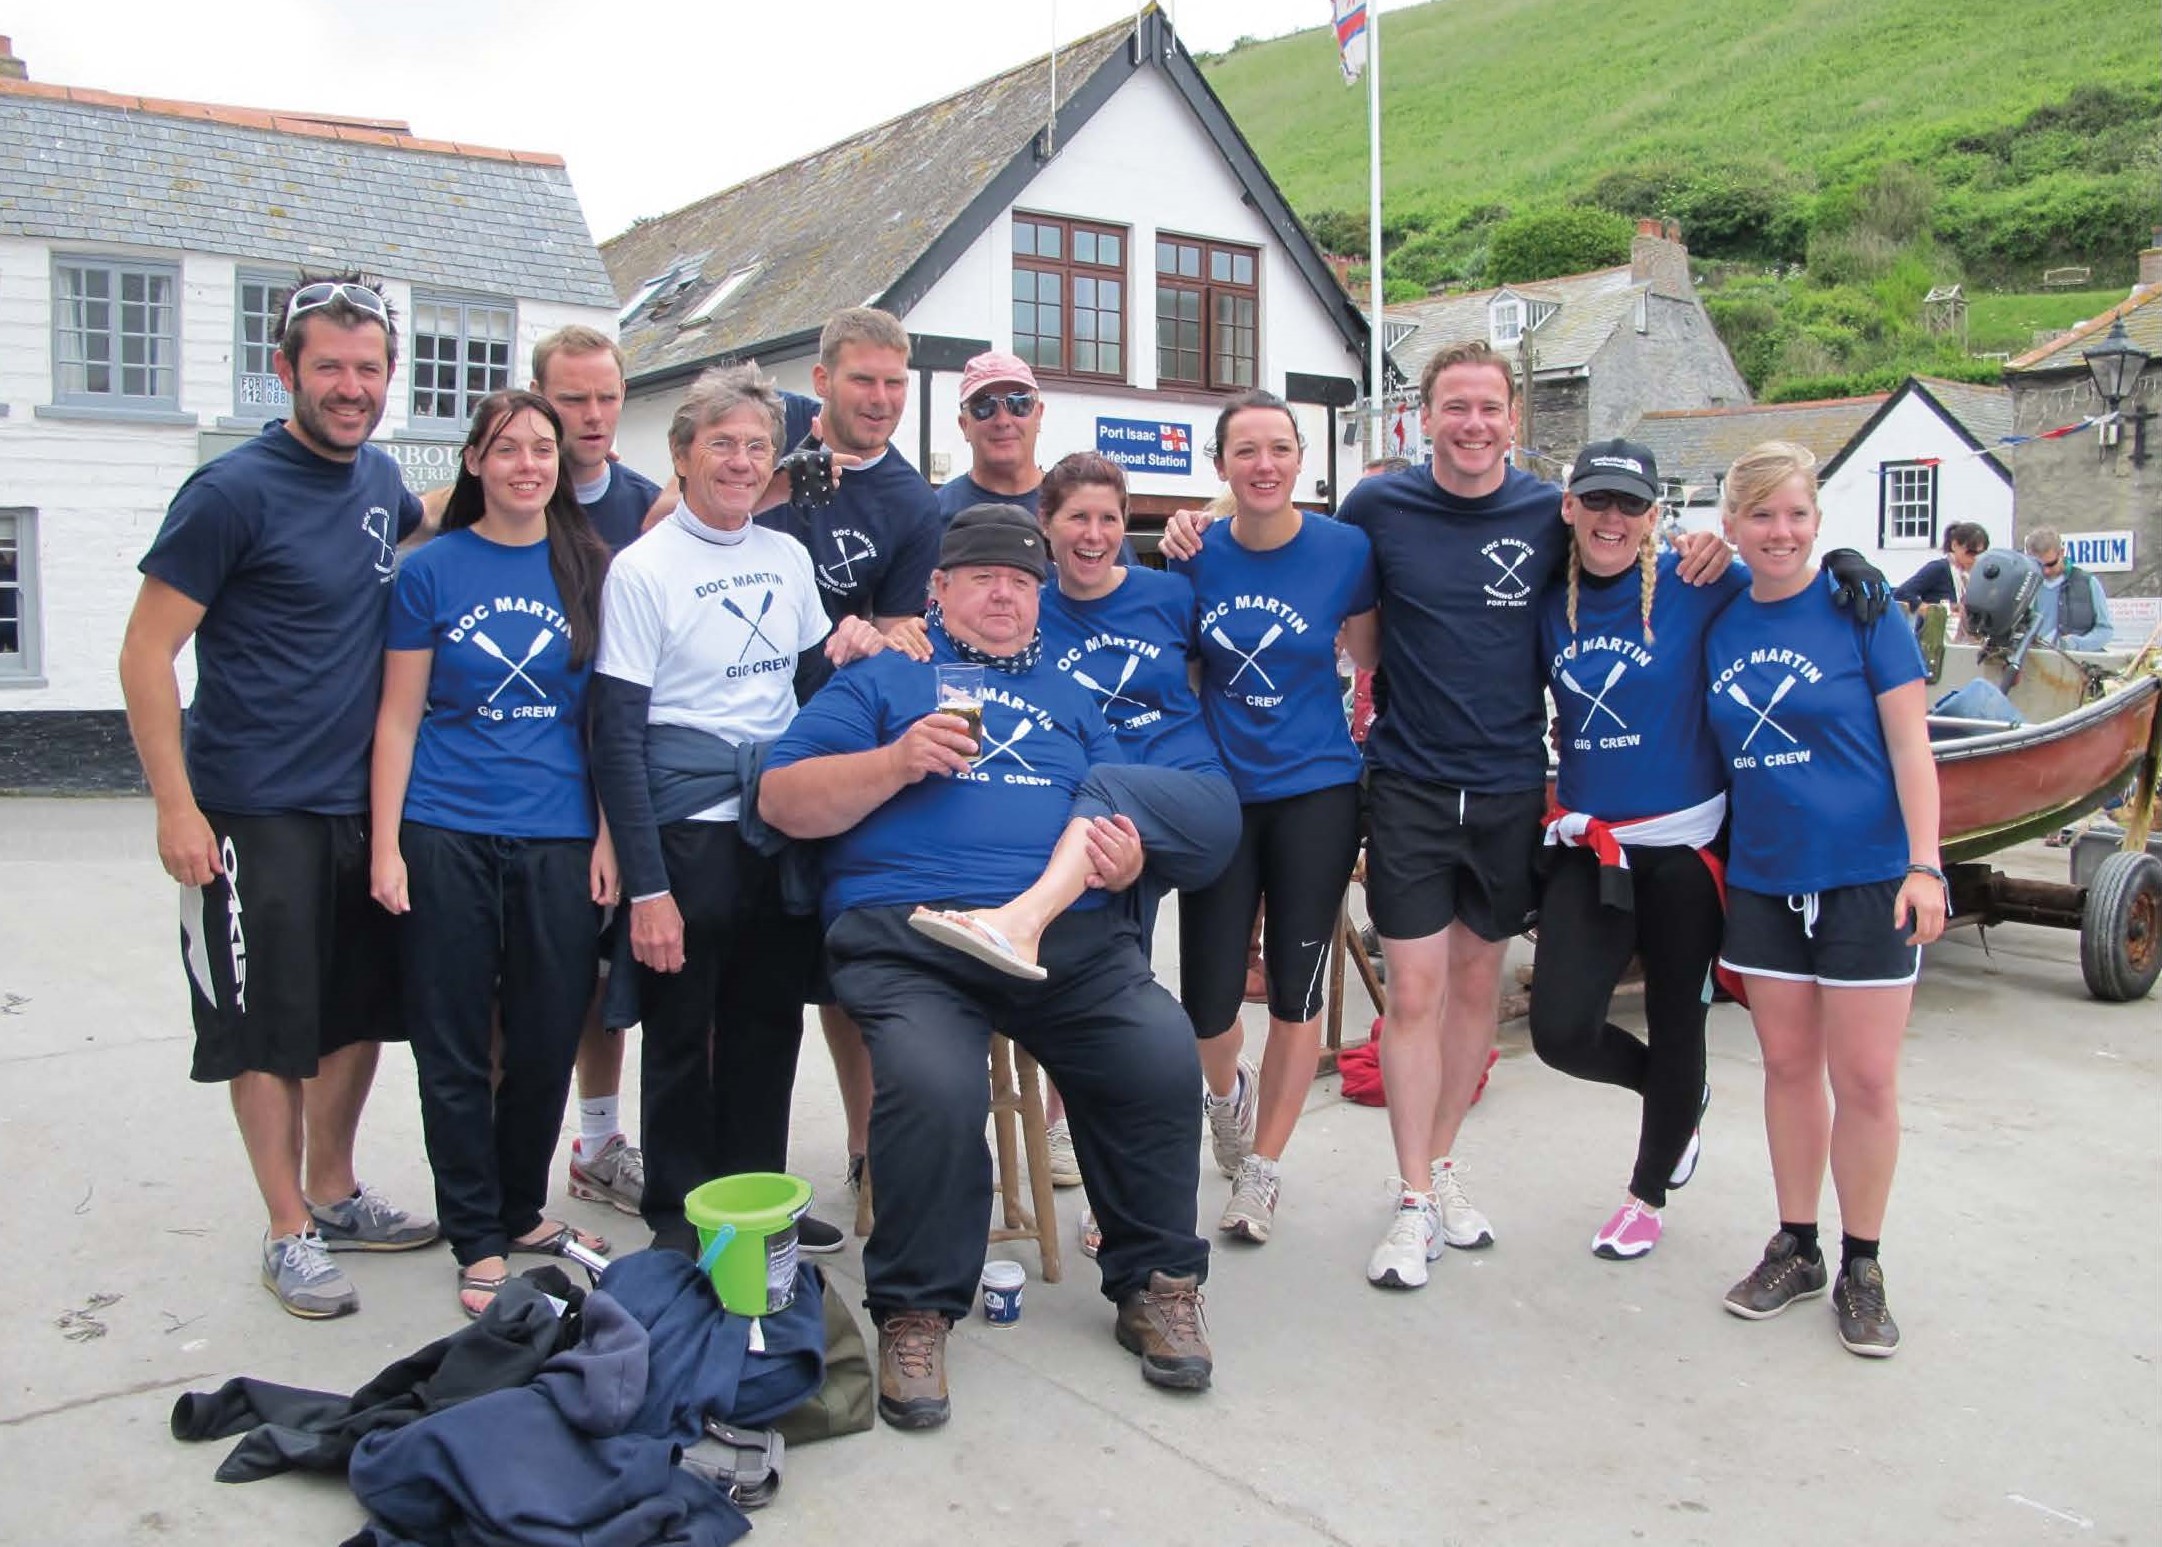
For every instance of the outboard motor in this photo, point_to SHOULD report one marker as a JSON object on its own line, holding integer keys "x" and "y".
{"x": 1999, "y": 602}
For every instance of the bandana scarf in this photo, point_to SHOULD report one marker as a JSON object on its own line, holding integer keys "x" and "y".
{"x": 1022, "y": 660}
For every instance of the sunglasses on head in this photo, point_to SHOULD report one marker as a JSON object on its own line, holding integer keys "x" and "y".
{"x": 1611, "y": 499}
{"x": 310, "y": 298}
{"x": 984, "y": 408}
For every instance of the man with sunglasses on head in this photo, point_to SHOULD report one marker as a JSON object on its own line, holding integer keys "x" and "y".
{"x": 277, "y": 559}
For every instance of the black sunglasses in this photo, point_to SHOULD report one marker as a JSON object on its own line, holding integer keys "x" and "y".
{"x": 1604, "y": 499}
{"x": 984, "y": 408}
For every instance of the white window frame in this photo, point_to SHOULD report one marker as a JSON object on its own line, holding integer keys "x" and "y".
{"x": 23, "y": 667}
{"x": 270, "y": 400}
{"x": 117, "y": 270}
{"x": 1907, "y": 505}
{"x": 705, "y": 309}
{"x": 1504, "y": 321}
{"x": 464, "y": 391}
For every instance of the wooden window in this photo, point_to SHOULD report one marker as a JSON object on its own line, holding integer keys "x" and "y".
{"x": 1208, "y": 314}
{"x": 116, "y": 333}
{"x": 1907, "y": 505}
{"x": 19, "y": 597}
{"x": 259, "y": 308}
{"x": 1069, "y": 296}
{"x": 461, "y": 353}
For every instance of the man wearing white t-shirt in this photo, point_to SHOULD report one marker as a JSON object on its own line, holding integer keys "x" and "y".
{"x": 703, "y": 620}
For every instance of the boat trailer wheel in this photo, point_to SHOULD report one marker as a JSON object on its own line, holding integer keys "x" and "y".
{"x": 2120, "y": 930}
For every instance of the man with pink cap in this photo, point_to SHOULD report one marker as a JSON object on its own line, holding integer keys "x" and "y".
{"x": 1001, "y": 414}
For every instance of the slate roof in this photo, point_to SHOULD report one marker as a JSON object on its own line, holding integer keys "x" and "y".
{"x": 1697, "y": 446}
{"x": 2142, "y": 314}
{"x": 88, "y": 166}
{"x": 1588, "y": 308}
{"x": 877, "y": 218}
{"x": 1982, "y": 415}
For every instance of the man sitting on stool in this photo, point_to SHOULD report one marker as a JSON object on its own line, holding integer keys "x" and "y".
{"x": 915, "y": 812}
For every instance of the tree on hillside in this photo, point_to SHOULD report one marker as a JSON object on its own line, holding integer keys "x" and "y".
{"x": 1569, "y": 239}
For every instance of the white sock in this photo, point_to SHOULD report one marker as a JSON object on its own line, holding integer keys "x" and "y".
{"x": 597, "y": 1123}
{"x": 1238, "y": 1091}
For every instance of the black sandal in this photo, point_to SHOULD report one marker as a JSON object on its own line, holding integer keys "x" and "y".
{"x": 470, "y": 1282}
{"x": 556, "y": 1242}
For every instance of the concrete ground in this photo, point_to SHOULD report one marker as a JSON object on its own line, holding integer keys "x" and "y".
{"x": 1531, "y": 1394}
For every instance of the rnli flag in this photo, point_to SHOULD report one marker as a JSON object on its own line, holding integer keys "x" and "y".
{"x": 1351, "y": 38}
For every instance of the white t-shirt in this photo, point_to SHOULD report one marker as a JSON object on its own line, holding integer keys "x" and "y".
{"x": 712, "y": 622}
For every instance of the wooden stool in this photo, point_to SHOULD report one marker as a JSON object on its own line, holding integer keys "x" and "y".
{"x": 1017, "y": 1124}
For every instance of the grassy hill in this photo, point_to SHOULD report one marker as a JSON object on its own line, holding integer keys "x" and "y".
{"x": 1828, "y": 161}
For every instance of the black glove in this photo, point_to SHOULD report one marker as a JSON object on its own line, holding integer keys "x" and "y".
{"x": 811, "y": 478}
{"x": 1863, "y": 589}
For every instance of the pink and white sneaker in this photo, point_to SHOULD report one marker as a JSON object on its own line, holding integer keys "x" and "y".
{"x": 1632, "y": 1232}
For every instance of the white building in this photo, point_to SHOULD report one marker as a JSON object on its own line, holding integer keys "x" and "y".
{"x": 1894, "y": 469}
{"x": 1130, "y": 246}
{"x": 145, "y": 250}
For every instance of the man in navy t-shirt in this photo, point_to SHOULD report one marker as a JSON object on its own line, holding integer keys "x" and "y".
{"x": 914, "y": 811}
{"x": 1001, "y": 416}
{"x": 276, "y": 559}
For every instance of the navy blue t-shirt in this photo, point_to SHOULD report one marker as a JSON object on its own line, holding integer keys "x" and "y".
{"x": 1130, "y": 650}
{"x": 874, "y": 547}
{"x": 291, "y": 555}
{"x": 979, "y": 839}
{"x": 1634, "y": 740}
{"x": 961, "y": 491}
{"x": 618, "y": 512}
{"x": 502, "y": 747}
{"x": 1268, "y": 624}
{"x": 1461, "y": 581}
{"x": 1793, "y": 695}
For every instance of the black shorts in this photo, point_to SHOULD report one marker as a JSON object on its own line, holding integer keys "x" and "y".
{"x": 1436, "y": 855}
{"x": 288, "y": 958}
{"x": 1843, "y": 938}
{"x": 1297, "y": 853}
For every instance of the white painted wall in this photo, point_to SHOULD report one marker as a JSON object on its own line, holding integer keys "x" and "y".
{"x": 100, "y": 488}
{"x": 1968, "y": 489}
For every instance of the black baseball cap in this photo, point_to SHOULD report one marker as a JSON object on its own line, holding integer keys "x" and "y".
{"x": 1620, "y": 465}
{"x": 994, "y": 534}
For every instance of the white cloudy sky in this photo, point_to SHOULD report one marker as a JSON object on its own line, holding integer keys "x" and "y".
{"x": 654, "y": 103}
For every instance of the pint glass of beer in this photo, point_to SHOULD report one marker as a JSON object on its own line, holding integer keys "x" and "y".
{"x": 960, "y": 692}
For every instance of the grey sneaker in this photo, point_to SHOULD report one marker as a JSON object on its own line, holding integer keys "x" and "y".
{"x": 1065, "y": 1165}
{"x": 1781, "y": 1278}
{"x": 1231, "y": 1121}
{"x": 1865, "y": 1322}
{"x": 1251, "y": 1213}
{"x": 616, "y": 1176}
{"x": 298, "y": 1270}
{"x": 369, "y": 1222}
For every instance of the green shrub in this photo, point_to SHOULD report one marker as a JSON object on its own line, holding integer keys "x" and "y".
{"x": 1338, "y": 231}
{"x": 1568, "y": 239}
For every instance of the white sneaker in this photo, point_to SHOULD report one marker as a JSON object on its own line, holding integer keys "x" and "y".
{"x": 1412, "y": 1240}
{"x": 1231, "y": 1120}
{"x": 1686, "y": 1167}
{"x": 1251, "y": 1213}
{"x": 1461, "y": 1224}
{"x": 1065, "y": 1167}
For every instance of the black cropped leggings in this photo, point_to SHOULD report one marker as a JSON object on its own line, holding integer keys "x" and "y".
{"x": 1584, "y": 946}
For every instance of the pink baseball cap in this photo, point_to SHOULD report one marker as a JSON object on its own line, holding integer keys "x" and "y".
{"x": 995, "y": 368}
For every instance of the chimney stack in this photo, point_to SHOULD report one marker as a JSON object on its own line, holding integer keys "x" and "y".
{"x": 2150, "y": 263}
{"x": 1658, "y": 258}
{"x": 11, "y": 68}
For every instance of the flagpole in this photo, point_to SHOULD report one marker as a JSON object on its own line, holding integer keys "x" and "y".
{"x": 1379, "y": 331}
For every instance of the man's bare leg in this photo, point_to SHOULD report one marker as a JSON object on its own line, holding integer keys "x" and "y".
{"x": 267, "y": 1108}
{"x": 1469, "y": 1025}
{"x": 331, "y": 1105}
{"x": 852, "y": 1072}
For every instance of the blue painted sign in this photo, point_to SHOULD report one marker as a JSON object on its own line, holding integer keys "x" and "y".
{"x": 1147, "y": 445}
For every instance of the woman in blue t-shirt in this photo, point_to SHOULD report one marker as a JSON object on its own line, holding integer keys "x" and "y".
{"x": 1273, "y": 589}
{"x": 1833, "y": 882}
{"x": 485, "y": 832}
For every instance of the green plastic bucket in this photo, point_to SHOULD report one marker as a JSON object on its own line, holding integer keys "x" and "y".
{"x": 747, "y": 1237}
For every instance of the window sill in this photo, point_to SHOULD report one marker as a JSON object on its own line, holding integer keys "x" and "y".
{"x": 7, "y": 682}
{"x": 1177, "y": 393}
{"x": 428, "y": 434}
{"x": 101, "y": 414}
{"x": 245, "y": 421}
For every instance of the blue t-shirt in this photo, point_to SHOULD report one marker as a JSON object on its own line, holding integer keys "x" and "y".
{"x": 1130, "y": 649}
{"x": 502, "y": 748}
{"x": 1793, "y": 694}
{"x": 291, "y": 556}
{"x": 979, "y": 839}
{"x": 874, "y": 547}
{"x": 1461, "y": 581}
{"x": 618, "y": 511}
{"x": 1634, "y": 740}
{"x": 1268, "y": 624}
{"x": 961, "y": 491}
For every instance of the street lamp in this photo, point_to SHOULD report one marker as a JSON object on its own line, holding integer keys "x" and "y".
{"x": 2115, "y": 364}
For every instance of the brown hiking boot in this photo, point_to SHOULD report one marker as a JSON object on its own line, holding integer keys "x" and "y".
{"x": 1164, "y": 1325}
{"x": 912, "y": 1370}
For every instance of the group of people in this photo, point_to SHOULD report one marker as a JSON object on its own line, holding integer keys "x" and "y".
{"x": 573, "y": 752}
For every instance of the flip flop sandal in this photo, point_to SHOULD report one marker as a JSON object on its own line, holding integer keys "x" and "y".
{"x": 971, "y": 936}
{"x": 1092, "y": 1234}
{"x": 555, "y": 1242}
{"x": 470, "y": 1283}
